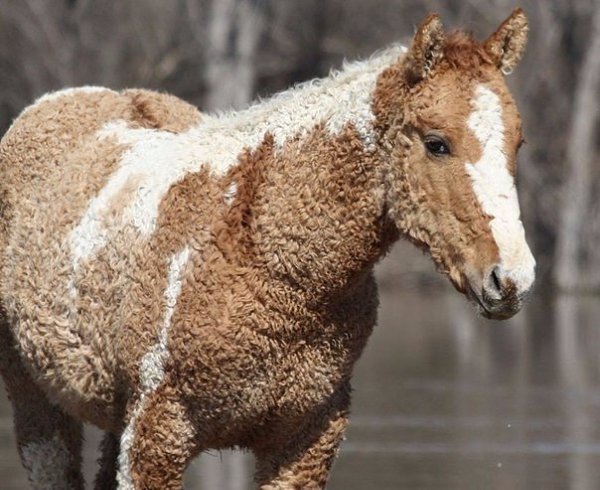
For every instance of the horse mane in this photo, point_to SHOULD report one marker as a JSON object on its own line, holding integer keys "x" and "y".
{"x": 463, "y": 52}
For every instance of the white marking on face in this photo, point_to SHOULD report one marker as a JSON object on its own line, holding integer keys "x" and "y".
{"x": 47, "y": 462}
{"x": 155, "y": 160}
{"x": 152, "y": 364}
{"x": 495, "y": 189}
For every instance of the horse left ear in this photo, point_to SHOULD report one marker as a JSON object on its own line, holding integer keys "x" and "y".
{"x": 426, "y": 48}
{"x": 507, "y": 44}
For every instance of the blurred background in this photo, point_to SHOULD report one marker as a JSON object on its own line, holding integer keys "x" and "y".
{"x": 442, "y": 399}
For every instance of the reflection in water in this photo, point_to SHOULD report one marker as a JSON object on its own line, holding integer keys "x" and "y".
{"x": 578, "y": 363}
{"x": 446, "y": 400}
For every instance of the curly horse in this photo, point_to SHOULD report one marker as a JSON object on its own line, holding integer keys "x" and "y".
{"x": 189, "y": 282}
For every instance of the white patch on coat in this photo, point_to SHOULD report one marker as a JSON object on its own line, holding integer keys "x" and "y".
{"x": 495, "y": 189}
{"x": 343, "y": 97}
{"x": 47, "y": 462}
{"x": 152, "y": 364}
{"x": 230, "y": 193}
{"x": 155, "y": 160}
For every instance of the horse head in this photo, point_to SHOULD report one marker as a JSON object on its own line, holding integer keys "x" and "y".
{"x": 452, "y": 133}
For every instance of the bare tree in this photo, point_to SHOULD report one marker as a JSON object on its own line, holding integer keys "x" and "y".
{"x": 581, "y": 155}
{"x": 234, "y": 31}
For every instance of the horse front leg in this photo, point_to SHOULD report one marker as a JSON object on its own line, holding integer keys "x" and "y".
{"x": 306, "y": 460}
{"x": 157, "y": 443}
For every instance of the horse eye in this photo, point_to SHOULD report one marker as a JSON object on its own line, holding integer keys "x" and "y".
{"x": 437, "y": 146}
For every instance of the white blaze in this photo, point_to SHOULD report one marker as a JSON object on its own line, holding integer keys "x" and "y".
{"x": 495, "y": 189}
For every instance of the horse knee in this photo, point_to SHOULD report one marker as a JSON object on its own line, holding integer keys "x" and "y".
{"x": 157, "y": 444}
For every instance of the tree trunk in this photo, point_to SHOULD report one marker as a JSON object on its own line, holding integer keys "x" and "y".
{"x": 233, "y": 33}
{"x": 581, "y": 155}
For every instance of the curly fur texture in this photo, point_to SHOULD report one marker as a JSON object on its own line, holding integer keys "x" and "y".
{"x": 188, "y": 281}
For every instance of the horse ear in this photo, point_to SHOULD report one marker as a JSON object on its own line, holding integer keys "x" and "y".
{"x": 507, "y": 44}
{"x": 426, "y": 48}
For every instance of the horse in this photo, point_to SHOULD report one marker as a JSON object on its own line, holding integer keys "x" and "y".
{"x": 190, "y": 281}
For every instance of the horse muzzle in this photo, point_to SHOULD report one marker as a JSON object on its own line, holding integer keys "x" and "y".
{"x": 500, "y": 293}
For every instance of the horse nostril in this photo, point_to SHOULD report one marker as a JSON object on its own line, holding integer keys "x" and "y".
{"x": 501, "y": 294}
{"x": 495, "y": 280}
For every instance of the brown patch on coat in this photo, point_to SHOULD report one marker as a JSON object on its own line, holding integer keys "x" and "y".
{"x": 120, "y": 201}
{"x": 166, "y": 112}
{"x": 268, "y": 309}
{"x": 234, "y": 233}
{"x": 183, "y": 220}
{"x": 42, "y": 165}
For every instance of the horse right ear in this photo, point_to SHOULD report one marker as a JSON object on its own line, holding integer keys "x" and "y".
{"x": 426, "y": 50}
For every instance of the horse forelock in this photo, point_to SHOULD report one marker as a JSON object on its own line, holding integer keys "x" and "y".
{"x": 462, "y": 51}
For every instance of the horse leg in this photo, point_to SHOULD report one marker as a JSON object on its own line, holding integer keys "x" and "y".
{"x": 48, "y": 440}
{"x": 106, "y": 478}
{"x": 306, "y": 459}
{"x": 157, "y": 443}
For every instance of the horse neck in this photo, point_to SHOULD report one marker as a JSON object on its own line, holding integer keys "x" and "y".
{"x": 343, "y": 97}
{"x": 309, "y": 187}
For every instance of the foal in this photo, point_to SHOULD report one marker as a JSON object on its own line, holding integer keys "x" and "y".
{"x": 188, "y": 281}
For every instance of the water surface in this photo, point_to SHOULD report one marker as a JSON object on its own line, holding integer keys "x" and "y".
{"x": 444, "y": 400}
